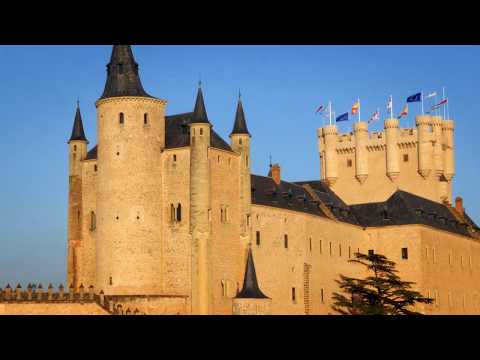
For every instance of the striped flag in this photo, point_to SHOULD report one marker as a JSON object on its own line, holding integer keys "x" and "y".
{"x": 375, "y": 116}
{"x": 404, "y": 112}
{"x": 441, "y": 103}
{"x": 355, "y": 107}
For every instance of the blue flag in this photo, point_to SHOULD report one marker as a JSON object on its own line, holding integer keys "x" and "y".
{"x": 343, "y": 117}
{"x": 415, "y": 98}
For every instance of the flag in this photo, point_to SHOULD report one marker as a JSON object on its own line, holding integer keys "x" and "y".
{"x": 415, "y": 98}
{"x": 375, "y": 116}
{"x": 404, "y": 111}
{"x": 431, "y": 95}
{"x": 320, "y": 109}
{"x": 355, "y": 107}
{"x": 443, "y": 102}
{"x": 389, "y": 104}
{"x": 343, "y": 117}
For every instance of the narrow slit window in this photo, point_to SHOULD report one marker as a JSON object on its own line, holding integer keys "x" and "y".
{"x": 340, "y": 250}
{"x": 201, "y": 131}
{"x": 93, "y": 221}
{"x": 74, "y": 147}
{"x": 320, "y": 246}
{"x": 258, "y": 238}
{"x": 405, "y": 253}
{"x": 321, "y": 295}
{"x": 172, "y": 213}
{"x": 121, "y": 118}
{"x": 179, "y": 212}
{"x": 293, "y": 294}
{"x": 285, "y": 241}
{"x": 145, "y": 119}
{"x": 174, "y": 158}
{"x": 349, "y": 252}
{"x": 310, "y": 243}
{"x": 330, "y": 244}
{"x": 95, "y": 168}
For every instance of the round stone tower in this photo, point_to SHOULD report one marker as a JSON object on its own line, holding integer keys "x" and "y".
{"x": 391, "y": 138}
{"x": 438, "y": 158}
{"x": 240, "y": 142}
{"x": 449, "y": 160}
{"x": 200, "y": 206}
{"x": 131, "y": 137}
{"x": 331, "y": 158}
{"x": 425, "y": 148}
{"x": 361, "y": 152}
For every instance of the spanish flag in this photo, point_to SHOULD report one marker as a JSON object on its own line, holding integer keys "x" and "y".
{"x": 404, "y": 111}
{"x": 355, "y": 107}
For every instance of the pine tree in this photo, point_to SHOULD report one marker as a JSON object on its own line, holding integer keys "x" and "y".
{"x": 382, "y": 293}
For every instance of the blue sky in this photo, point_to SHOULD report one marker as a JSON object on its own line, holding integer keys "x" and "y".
{"x": 281, "y": 88}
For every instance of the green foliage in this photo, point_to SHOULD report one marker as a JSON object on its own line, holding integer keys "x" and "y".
{"x": 382, "y": 293}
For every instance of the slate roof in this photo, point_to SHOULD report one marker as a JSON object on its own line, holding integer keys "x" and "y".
{"x": 199, "y": 112}
{"x": 293, "y": 196}
{"x": 250, "y": 289}
{"x": 122, "y": 74}
{"x": 77, "y": 130}
{"x": 240, "y": 124}
{"x": 405, "y": 208}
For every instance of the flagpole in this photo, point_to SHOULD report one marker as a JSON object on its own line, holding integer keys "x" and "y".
{"x": 421, "y": 97}
{"x": 330, "y": 111}
{"x": 359, "y": 109}
{"x": 443, "y": 95}
{"x": 391, "y": 107}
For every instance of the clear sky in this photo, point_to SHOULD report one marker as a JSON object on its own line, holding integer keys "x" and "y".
{"x": 281, "y": 88}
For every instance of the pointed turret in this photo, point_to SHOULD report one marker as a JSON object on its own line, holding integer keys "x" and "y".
{"x": 240, "y": 125}
{"x": 77, "y": 131}
{"x": 200, "y": 113}
{"x": 250, "y": 288}
{"x": 122, "y": 74}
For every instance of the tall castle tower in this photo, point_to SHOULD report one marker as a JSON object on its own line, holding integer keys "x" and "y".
{"x": 77, "y": 152}
{"x": 364, "y": 167}
{"x": 131, "y": 137}
{"x": 240, "y": 142}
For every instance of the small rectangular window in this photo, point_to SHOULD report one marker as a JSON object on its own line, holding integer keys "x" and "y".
{"x": 258, "y": 238}
{"x": 293, "y": 294}
{"x": 370, "y": 252}
{"x": 405, "y": 157}
{"x": 349, "y": 163}
{"x": 404, "y": 253}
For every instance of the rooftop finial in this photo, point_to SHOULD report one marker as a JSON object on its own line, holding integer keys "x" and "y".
{"x": 199, "y": 80}
{"x": 270, "y": 158}
{"x": 239, "y": 95}
{"x": 78, "y": 102}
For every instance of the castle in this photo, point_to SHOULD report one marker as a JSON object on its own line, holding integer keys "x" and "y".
{"x": 165, "y": 217}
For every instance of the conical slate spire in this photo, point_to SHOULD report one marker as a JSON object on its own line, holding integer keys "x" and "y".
{"x": 200, "y": 113}
{"x": 122, "y": 74}
{"x": 250, "y": 288}
{"x": 240, "y": 125}
{"x": 77, "y": 131}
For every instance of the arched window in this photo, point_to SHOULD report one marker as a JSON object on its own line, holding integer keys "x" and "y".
{"x": 179, "y": 212}
{"x": 145, "y": 119}
{"x": 121, "y": 118}
{"x": 93, "y": 221}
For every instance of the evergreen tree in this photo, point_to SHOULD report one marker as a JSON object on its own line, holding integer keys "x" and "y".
{"x": 382, "y": 293}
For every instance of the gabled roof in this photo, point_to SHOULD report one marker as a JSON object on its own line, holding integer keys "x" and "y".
{"x": 77, "y": 131}
{"x": 240, "y": 124}
{"x": 405, "y": 208}
{"x": 250, "y": 289}
{"x": 122, "y": 74}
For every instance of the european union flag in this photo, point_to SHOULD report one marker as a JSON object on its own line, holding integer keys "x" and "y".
{"x": 415, "y": 98}
{"x": 343, "y": 117}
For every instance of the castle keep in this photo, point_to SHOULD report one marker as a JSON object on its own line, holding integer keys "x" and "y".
{"x": 165, "y": 216}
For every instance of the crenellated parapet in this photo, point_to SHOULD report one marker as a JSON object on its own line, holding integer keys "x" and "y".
{"x": 36, "y": 293}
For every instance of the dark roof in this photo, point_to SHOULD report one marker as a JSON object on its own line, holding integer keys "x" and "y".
{"x": 199, "y": 112}
{"x": 178, "y": 135}
{"x": 294, "y": 197}
{"x": 405, "y": 208}
{"x": 250, "y": 289}
{"x": 240, "y": 125}
{"x": 92, "y": 154}
{"x": 122, "y": 74}
{"x": 77, "y": 131}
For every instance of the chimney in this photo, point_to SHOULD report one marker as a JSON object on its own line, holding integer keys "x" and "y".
{"x": 274, "y": 173}
{"x": 459, "y": 205}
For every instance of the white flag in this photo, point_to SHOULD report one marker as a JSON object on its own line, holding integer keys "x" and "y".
{"x": 389, "y": 105}
{"x": 431, "y": 95}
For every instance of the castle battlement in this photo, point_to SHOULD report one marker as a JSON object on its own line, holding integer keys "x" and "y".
{"x": 395, "y": 156}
